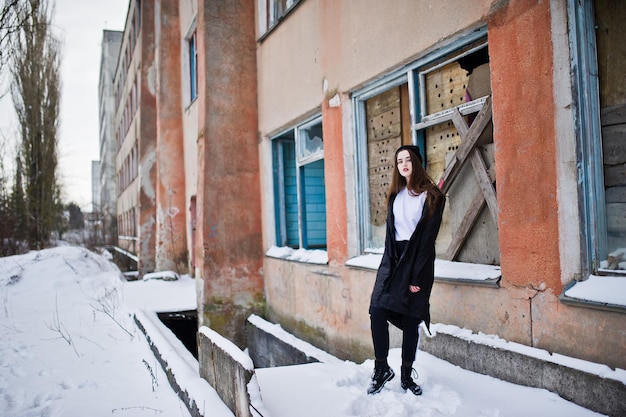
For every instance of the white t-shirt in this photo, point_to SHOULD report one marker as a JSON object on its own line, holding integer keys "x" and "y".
{"x": 407, "y": 210}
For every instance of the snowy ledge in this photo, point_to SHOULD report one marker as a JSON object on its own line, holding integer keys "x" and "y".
{"x": 277, "y": 331}
{"x": 602, "y": 292}
{"x": 496, "y": 342}
{"x": 446, "y": 271}
{"x": 310, "y": 256}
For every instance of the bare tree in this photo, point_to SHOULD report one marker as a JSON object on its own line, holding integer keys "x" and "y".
{"x": 13, "y": 16}
{"x": 35, "y": 91}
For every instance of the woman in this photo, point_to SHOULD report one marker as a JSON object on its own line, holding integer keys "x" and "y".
{"x": 406, "y": 273}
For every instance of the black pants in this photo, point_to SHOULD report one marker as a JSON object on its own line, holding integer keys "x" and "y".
{"x": 380, "y": 319}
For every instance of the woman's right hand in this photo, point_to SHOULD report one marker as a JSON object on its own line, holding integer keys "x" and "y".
{"x": 414, "y": 288}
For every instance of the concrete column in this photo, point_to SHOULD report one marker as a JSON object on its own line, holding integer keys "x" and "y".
{"x": 229, "y": 244}
{"x": 171, "y": 230}
{"x": 147, "y": 143}
{"x": 336, "y": 214}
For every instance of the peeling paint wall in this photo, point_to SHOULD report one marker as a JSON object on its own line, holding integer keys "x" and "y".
{"x": 171, "y": 225}
{"x": 229, "y": 252}
{"x": 347, "y": 45}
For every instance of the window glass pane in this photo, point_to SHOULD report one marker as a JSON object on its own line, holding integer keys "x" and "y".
{"x": 310, "y": 140}
{"x": 193, "y": 67}
{"x": 299, "y": 189}
{"x": 314, "y": 204}
{"x": 291, "y": 194}
{"x": 286, "y": 191}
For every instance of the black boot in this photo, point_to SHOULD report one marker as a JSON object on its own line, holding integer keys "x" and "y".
{"x": 382, "y": 374}
{"x": 406, "y": 380}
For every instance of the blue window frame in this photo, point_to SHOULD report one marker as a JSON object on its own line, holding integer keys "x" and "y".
{"x": 600, "y": 109}
{"x": 299, "y": 188}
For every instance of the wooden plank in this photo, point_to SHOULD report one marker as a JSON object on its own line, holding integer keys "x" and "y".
{"x": 614, "y": 175}
{"x": 615, "y": 195}
{"x": 616, "y": 217}
{"x": 384, "y": 130}
{"x": 381, "y": 153}
{"x": 385, "y": 125}
{"x": 459, "y": 123}
{"x": 614, "y": 144}
{"x": 467, "y": 144}
{"x": 613, "y": 115}
{"x": 445, "y": 87}
{"x": 470, "y": 107}
{"x": 440, "y": 141}
{"x": 466, "y": 225}
{"x": 383, "y": 102}
{"x": 480, "y": 171}
{"x": 463, "y": 230}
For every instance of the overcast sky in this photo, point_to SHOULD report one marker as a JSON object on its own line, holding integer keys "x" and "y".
{"x": 80, "y": 24}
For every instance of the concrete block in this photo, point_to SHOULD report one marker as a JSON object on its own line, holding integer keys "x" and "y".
{"x": 589, "y": 390}
{"x": 267, "y": 349}
{"x": 227, "y": 369}
{"x": 270, "y": 345}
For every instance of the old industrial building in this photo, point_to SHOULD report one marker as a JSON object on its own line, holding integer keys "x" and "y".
{"x": 254, "y": 142}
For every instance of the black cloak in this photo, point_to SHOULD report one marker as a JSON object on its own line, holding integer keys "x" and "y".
{"x": 415, "y": 266}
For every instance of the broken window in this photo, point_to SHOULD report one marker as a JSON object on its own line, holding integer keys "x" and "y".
{"x": 449, "y": 96}
{"x": 600, "y": 40}
{"x": 299, "y": 188}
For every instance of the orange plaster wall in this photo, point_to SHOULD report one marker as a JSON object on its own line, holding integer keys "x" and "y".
{"x": 229, "y": 244}
{"x": 147, "y": 147}
{"x": 171, "y": 250}
{"x": 336, "y": 217}
{"x": 520, "y": 51}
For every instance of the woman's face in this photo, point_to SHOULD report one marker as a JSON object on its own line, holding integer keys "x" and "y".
{"x": 404, "y": 164}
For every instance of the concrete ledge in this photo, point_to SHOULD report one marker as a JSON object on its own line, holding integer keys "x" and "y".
{"x": 227, "y": 369}
{"x": 588, "y": 389}
{"x": 269, "y": 345}
{"x": 180, "y": 367}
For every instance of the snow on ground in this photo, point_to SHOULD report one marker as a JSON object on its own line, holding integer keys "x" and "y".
{"x": 318, "y": 389}
{"x": 69, "y": 347}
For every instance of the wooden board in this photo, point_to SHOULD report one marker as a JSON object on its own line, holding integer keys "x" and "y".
{"x": 614, "y": 144}
{"x": 384, "y": 136}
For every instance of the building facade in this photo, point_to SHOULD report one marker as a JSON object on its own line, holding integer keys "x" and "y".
{"x": 107, "y": 197}
{"x": 148, "y": 140}
{"x": 503, "y": 100}
{"x": 259, "y": 137}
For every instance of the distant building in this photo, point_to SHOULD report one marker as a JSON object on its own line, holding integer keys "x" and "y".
{"x": 107, "y": 195}
{"x": 95, "y": 186}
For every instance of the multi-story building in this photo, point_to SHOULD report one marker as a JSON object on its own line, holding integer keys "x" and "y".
{"x": 149, "y": 158}
{"x": 106, "y": 195}
{"x": 270, "y": 126}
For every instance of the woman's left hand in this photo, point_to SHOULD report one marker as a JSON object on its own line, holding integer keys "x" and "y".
{"x": 414, "y": 288}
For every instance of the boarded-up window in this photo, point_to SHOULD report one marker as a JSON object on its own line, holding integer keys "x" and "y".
{"x": 611, "y": 45}
{"x": 469, "y": 230}
{"x": 386, "y": 131}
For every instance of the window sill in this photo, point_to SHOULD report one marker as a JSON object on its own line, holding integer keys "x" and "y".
{"x": 308, "y": 256}
{"x": 445, "y": 271}
{"x": 600, "y": 292}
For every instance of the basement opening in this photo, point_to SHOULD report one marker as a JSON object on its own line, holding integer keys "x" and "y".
{"x": 184, "y": 325}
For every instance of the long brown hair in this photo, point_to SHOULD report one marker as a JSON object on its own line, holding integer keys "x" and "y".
{"x": 419, "y": 182}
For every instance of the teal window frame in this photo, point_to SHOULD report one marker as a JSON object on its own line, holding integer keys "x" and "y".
{"x": 299, "y": 188}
